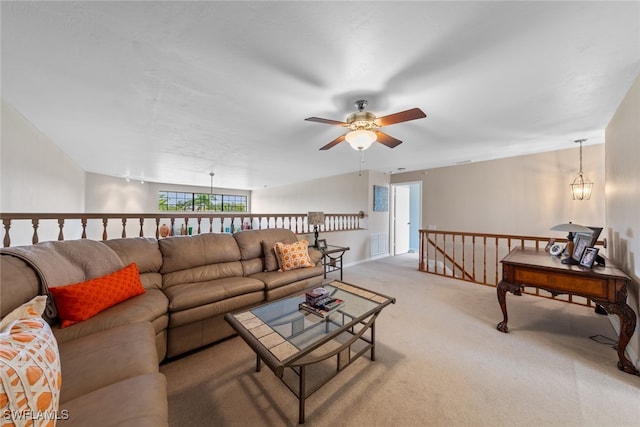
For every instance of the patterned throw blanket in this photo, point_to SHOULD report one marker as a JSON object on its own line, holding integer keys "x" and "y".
{"x": 65, "y": 262}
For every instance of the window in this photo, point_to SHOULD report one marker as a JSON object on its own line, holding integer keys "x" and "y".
{"x": 201, "y": 202}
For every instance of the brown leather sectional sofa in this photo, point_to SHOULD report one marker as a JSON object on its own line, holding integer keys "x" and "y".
{"x": 110, "y": 372}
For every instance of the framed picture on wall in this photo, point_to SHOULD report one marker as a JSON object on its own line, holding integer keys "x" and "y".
{"x": 380, "y": 198}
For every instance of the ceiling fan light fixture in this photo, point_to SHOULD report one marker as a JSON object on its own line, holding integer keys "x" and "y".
{"x": 361, "y": 139}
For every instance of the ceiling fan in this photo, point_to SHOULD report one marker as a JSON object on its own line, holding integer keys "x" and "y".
{"x": 364, "y": 127}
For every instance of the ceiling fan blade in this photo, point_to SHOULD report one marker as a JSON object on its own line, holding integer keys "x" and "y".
{"x": 326, "y": 121}
{"x": 403, "y": 116}
{"x": 387, "y": 140}
{"x": 333, "y": 143}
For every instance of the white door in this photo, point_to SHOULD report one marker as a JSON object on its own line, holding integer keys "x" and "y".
{"x": 402, "y": 220}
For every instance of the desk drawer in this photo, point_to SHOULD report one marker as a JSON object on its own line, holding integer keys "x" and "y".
{"x": 563, "y": 283}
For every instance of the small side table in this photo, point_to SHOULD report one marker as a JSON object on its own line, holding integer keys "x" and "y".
{"x": 332, "y": 258}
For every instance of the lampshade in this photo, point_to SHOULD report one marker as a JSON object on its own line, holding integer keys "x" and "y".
{"x": 361, "y": 139}
{"x": 573, "y": 228}
{"x": 315, "y": 218}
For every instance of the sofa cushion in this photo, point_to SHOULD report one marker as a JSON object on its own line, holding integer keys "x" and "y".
{"x": 276, "y": 279}
{"x": 204, "y": 273}
{"x": 80, "y": 301}
{"x": 149, "y": 306}
{"x": 270, "y": 259}
{"x": 140, "y": 401}
{"x": 250, "y": 242}
{"x": 30, "y": 374}
{"x": 293, "y": 256}
{"x": 185, "y": 252}
{"x": 145, "y": 253}
{"x": 19, "y": 283}
{"x": 103, "y": 358}
{"x": 189, "y": 295}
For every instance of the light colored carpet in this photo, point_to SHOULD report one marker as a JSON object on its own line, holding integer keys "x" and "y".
{"x": 439, "y": 362}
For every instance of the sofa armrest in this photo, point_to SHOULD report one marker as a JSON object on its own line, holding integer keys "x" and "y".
{"x": 315, "y": 255}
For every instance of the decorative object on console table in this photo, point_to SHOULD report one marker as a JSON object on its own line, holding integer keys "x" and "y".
{"x": 549, "y": 245}
{"x": 581, "y": 243}
{"x": 571, "y": 229}
{"x": 556, "y": 249}
{"x": 588, "y": 257}
{"x": 316, "y": 219}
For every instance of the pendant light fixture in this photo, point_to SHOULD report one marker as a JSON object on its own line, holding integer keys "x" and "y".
{"x": 581, "y": 186}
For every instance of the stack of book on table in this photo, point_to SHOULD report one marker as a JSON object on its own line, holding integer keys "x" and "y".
{"x": 319, "y": 301}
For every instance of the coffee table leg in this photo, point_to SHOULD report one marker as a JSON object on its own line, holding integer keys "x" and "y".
{"x": 373, "y": 341}
{"x": 302, "y": 396}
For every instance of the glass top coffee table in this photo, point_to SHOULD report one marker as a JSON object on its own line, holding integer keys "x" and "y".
{"x": 291, "y": 340}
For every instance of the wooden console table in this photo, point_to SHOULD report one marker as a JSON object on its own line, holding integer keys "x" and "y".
{"x": 606, "y": 286}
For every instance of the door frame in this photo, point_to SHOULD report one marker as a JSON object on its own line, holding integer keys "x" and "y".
{"x": 415, "y": 202}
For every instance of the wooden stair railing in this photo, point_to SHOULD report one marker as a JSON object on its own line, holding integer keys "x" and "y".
{"x": 475, "y": 257}
{"x": 451, "y": 260}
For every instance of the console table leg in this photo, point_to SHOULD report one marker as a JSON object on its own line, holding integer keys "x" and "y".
{"x": 627, "y": 327}
{"x": 502, "y": 289}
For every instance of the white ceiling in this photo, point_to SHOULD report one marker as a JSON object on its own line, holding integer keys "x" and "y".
{"x": 169, "y": 91}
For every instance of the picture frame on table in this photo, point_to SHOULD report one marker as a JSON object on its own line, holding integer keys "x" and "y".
{"x": 549, "y": 245}
{"x": 588, "y": 257}
{"x": 322, "y": 244}
{"x": 580, "y": 243}
{"x": 593, "y": 236}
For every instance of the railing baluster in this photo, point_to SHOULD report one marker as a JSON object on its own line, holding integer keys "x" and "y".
{"x": 34, "y": 223}
{"x": 61, "y": 226}
{"x": 141, "y": 227}
{"x": 124, "y": 228}
{"x": 105, "y": 221}
{"x": 83, "y": 221}
{"x": 7, "y": 239}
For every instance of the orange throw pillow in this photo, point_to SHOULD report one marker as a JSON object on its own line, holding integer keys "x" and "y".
{"x": 81, "y": 301}
{"x": 293, "y": 256}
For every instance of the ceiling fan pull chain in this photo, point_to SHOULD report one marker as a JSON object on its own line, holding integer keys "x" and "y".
{"x": 361, "y": 162}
